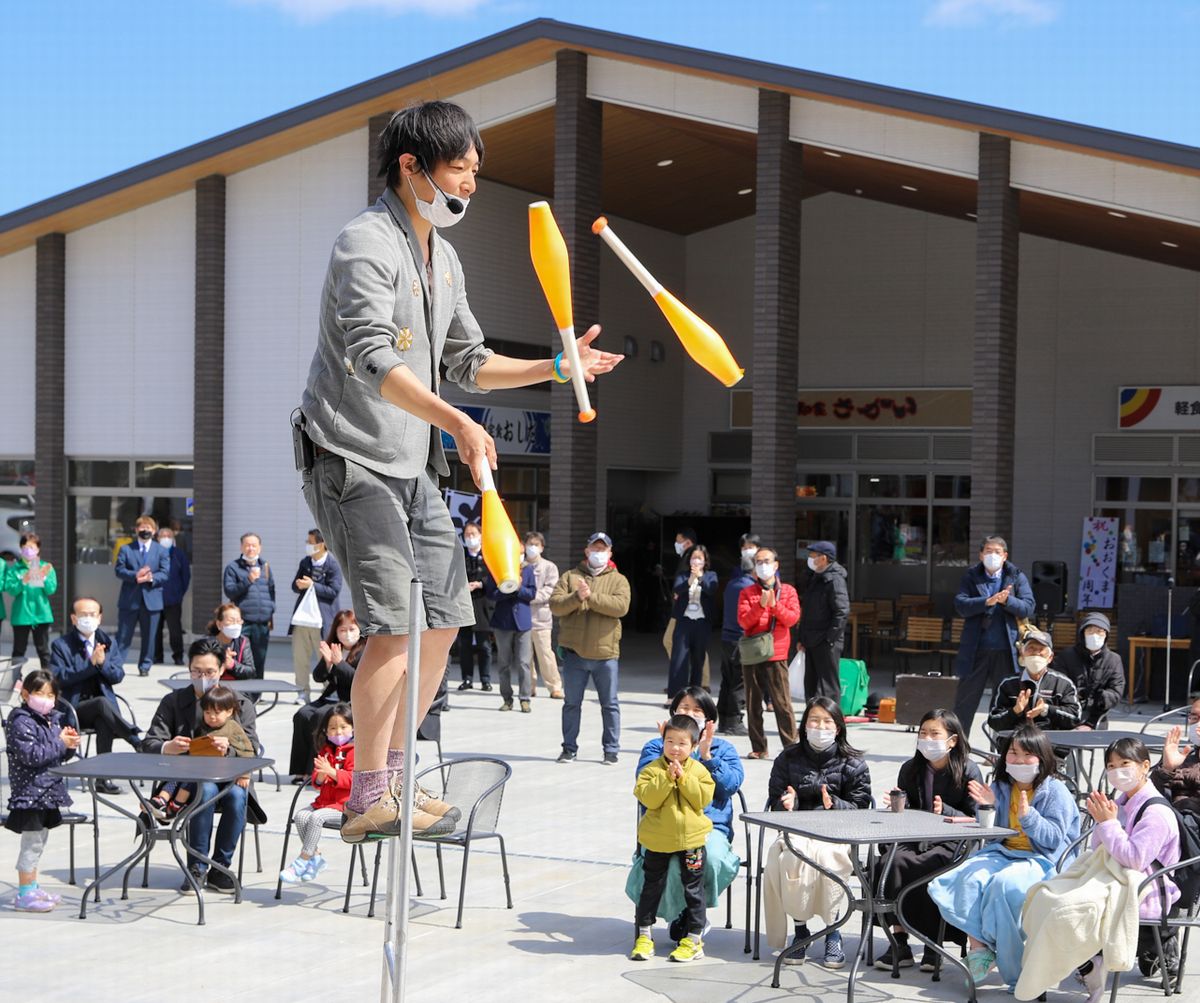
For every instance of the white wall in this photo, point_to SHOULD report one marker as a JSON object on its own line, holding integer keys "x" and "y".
{"x": 281, "y": 221}
{"x": 18, "y": 276}
{"x": 130, "y": 298}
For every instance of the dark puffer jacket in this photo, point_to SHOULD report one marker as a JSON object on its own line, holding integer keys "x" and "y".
{"x": 804, "y": 770}
{"x": 824, "y": 606}
{"x": 33, "y": 747}
{"x": 1098, "y": 676}
{"x": 956, "y": 802}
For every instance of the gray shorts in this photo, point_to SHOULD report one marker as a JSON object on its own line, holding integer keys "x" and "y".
{"x": 382, "y": 530}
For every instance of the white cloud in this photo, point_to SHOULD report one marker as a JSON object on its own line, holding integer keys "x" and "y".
{"x": 319, "y": 10}
{"x": 953, "y": 13}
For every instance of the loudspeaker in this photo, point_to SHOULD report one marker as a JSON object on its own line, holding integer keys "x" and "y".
{"x": 1049, "y": 587}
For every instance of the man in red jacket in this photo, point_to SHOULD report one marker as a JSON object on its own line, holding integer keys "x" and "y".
{"x": 768, "y": 605}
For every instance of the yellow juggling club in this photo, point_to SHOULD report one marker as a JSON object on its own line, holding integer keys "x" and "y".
{"x": 501, "y": 546}
{"x": 549, "y": 253}
{"x": 702, "y": 343}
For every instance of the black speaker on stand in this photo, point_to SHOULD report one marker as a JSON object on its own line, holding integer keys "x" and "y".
{"x": 1049, "y": 589}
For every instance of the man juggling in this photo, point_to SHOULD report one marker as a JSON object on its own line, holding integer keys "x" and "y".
{"x": 393, "y": 313}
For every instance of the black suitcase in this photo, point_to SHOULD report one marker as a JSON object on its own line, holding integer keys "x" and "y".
{"x": 917, "y": 695}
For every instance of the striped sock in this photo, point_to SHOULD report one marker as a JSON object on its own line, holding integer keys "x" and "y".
{"x": 366, "y": 787}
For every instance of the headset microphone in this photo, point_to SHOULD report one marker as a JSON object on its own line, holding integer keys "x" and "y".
{"x": 453, "y": 204}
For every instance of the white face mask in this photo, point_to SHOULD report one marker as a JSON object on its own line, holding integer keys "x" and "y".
{"x": 204, "y": 684}
{"x": 166, "y": 542}
{"x": 993, "y": 562}
{"x": 1022, "y": 773}
{"x": 1196, "y": 734}
{"x": 349, "y": 638}
{"x": 311, "y": 549}
{"x": 819, "y": 739}
{"x": 473, "y": 543}
{"x": 933, "y": 749}
{"x": 438, "y": 211}
{"x": 598, "y": 558}
{"x": 1035, "y": 665}
{"x": 812, "y": 564}
{"x": 532, "y": 552}
{"x": 680, "y": 548}
{"x": 765, "y": 570}
{"x": 1123, "y": 778}
{"x": 232, "y": 630}
{"x": 87, "y": 625}
{"x": 1094, "y": 642}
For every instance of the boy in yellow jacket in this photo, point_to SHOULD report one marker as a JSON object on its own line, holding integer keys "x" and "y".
{"x": 674, "y": 789}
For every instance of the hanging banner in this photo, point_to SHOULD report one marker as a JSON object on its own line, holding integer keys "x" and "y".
{"x": 464, "y": 508}
{"x": 514, "y": 431}
{"x": 1098, "y": 563}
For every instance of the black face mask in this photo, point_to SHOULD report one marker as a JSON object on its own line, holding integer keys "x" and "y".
{"x": 145, "y": 534}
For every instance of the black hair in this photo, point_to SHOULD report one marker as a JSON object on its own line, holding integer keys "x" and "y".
{"x": 959, "y": 751}
{"x": 1128, "y": 748}
{"x": 685, "y": 723}
{"x": 771, "y": 550}
{"x": 687, "y": 533}
{"x": 701, "y": 696}
{"x": 206, "y": 646}
{"x": 38, "y": 678}
{"x": 844, "y": 748}
{"x": 702, "y": 550}
{"x": 339, "y": 709}
{"x": 221, "y": 698}
{"x": 316, "y": 535}
{"x": 1032, "y": 739}
{"x": 434, "y": 132}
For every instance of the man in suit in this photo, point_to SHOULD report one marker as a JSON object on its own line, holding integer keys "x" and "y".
{"x": 394, "y": 316}
{"x": 992, "y": 597}
{"x": 87, "y": 665}
{"x": 319, "y": 571}
{"x": 176, "y": 722}
{"x": 143, "y": 567}
{"x": 176, "y": 588}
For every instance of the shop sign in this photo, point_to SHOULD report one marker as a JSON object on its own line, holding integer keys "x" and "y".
{"x": 941, "y": 407}
{"x": 515, "y": 431}
{"x": 1155, "y": 409}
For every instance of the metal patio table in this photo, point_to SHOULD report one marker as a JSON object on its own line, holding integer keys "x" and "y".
{"x": 273, "y": 686}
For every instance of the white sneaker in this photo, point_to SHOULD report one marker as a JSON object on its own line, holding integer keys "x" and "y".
{"x": 295, "y": 872}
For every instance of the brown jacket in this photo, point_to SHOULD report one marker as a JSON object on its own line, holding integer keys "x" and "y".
{"x": 591, "y": 628}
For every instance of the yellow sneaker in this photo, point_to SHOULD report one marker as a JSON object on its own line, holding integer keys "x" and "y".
{"x": 689, "y": 949}
{"x": 643, "y": 949}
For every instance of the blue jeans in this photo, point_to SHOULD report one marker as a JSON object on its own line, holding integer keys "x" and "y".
{"x": 147, "y": 620}
{"x": 575, "y": 673}
{"x": 233, "y": 821}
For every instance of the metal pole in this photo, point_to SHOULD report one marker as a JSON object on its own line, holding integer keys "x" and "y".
{"x": 395, "y": 926}
{"x": 1167, "y": 673}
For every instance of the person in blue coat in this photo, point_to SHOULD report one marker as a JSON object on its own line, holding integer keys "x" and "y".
{"x": 178, "y": 581}
{"x": 992, "y": 597}
{"x": 512, "y": 626}
{"x": 249, "y": 584}
{"x": 143, "y": 567}
{"x": 694, "y": 612}
{"x": 716, "y": 755}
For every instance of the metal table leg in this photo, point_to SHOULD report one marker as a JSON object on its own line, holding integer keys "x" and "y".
{"x": 142, "y": 848}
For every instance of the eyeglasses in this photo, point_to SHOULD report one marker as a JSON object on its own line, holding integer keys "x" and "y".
{"x": 205, "y": 675}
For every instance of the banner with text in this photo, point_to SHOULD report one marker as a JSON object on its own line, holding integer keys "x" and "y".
{"x": 1098, "y": 563}
{"x": 1154, "y": 409}
{"x": 912, "y": 408}
{"x": 515, "y": 431}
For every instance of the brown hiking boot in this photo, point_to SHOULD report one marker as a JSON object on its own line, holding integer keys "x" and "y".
{"x": 424, "y": 801}
{"x": 382, "y": 820}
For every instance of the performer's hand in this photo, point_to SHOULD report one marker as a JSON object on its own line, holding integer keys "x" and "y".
{"x": 788, "y": 799}
{"x": 593, "y": 360}
{"x": 980, "y": 794}
{"x": 475, "y": 448}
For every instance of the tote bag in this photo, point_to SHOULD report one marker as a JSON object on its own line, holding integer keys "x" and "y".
{"x": 308, "y": 611}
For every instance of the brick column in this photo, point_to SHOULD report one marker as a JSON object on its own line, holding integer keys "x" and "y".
{"x": 577, "y": 147}
{"x": 209, "y": 425}
{"x": 375, "y": 183}
{"x": 50, "y": 465}
{"x": 997, "y": 234}
{"x": 776, "y": 329}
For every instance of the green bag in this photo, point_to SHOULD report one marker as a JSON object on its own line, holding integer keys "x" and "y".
{"x": 759, "y": 648}
{"x": 855, "y": 685}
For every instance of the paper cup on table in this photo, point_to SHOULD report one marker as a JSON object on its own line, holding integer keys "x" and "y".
{"x": 897, "y": 799}
{"x": 985, "y": 815}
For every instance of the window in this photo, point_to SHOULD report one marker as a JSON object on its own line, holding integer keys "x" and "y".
{"x": 16, "y": 504}
{"x": 824, "y": 486}
{"x": 893, "y": 486}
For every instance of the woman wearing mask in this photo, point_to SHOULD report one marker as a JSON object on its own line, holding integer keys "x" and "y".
{"x": 936, "y": 780}
{"x": 694, "y": 610}
{"x": 31, "y": 582}
{"x": 821, "y": 772}
{"x": 983, "y": 895}
{"x": 545, "y": 573}
{"x": 340, "y": 653}
{"x": 226, "y": 627}
{"x": 475, "y": 643}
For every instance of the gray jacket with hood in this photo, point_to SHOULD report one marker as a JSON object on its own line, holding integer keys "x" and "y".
{"x": 1099, "y": 677}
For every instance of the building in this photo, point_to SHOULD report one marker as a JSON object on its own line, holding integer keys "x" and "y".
{"x": 937, "y": 305}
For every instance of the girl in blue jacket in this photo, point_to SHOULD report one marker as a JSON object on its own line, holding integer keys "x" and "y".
{"x": 37, "y": 740}
{"x": 716, "y": 755}
{"x": 983, "y": 896}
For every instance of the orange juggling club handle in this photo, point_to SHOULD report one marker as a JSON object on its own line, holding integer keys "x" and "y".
{"x": 702, "y": 343}
{"x": 501, "y": 546}
{"x": 549, "y": 253}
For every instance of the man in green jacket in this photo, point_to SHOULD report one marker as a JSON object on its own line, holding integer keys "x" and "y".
{"x": 31, "y": 582}
{"x": 589, "y": 601}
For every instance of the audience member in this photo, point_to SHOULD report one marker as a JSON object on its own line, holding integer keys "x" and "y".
{"x": 143, "y": 567}
{"x": 339, "y": 655}
{"x": 319, "y": 571}
{"x": 31, "y": 582}
{"x": 511, "y": 624}
{"x": 685, "y": 539}
{"x": 226, "y": 627}
{"x": 1039, "y": 695}
{"x": 179, "y": 577}
{"x": 693, "y": 612}
{"x": 475, "y": 642}
{"x": 249, "y": 583}
{"x": 546, "y": 573}
{"x": 731, "y": 701}
{"x": 1096, "y": 670}
{"x": 824, "y": 609}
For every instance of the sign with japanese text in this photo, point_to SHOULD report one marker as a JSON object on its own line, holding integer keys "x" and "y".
{"x": 912, "y": 408}
{"x": 1098, "y": 563}
{"x": 1153, "y": 409}
{"x": 515, "y": 431}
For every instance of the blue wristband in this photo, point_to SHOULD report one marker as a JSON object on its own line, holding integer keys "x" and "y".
{"x": 558, "y": 376}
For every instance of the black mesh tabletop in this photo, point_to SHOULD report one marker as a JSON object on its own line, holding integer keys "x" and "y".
{"x": 146, "y": 766}
{"x": 870, "y": 825}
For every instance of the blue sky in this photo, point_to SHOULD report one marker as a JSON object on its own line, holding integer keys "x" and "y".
{"x": 95, "y": 86}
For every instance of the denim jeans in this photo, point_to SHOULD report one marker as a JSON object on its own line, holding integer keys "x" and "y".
{"x": 575, "y": 673}
{"x": 229, "y": 831}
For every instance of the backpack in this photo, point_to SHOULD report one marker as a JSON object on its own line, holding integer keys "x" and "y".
{"x": 1187, "y": 878}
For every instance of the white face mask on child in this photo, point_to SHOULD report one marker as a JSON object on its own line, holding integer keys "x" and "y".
{"x": 1022, "y": 773}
